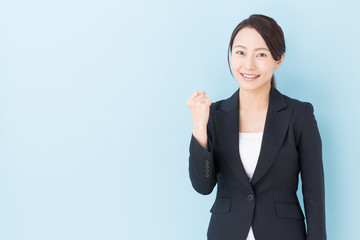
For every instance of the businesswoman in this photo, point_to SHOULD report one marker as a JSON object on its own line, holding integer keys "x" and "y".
{"x": 253, "y": 146}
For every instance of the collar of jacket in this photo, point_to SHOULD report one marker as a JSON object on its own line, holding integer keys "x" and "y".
{"x": 276, "y": 125}
{"x": 276, "y": 101}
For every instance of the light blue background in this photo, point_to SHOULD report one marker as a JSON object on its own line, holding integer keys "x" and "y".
{"x": 94, "y": 126}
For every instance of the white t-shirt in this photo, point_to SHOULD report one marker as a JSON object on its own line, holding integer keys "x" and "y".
{"x": 249, "y": 150}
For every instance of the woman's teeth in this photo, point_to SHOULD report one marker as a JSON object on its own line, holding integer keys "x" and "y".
{"x": 249, "y": 76}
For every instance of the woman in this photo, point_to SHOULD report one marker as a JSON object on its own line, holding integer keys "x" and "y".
{"x": 254, "y": 144}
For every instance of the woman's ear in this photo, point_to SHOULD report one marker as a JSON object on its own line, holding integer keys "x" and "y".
{"x": 278, "y": 63}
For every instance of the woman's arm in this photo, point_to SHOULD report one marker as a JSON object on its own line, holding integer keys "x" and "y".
{"x": 312, "y": 176}
{"x": 202, "y": 169}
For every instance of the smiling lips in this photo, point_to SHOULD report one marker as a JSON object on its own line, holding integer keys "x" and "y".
{"x": 250, "y": 77}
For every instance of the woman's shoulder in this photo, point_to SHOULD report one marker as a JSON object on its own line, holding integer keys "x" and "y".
{"x": 295, "y": 102}
{"x": 298, "y": 105}
{"x": 226, "y": 104}
{"x": 301, "y": 110}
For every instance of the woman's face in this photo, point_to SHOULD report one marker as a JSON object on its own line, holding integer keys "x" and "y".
{"x": 251, "y": 60}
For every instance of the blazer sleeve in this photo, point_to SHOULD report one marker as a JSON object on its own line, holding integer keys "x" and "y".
{"x": 312, "y": 176}
{"x": 202, "y": 168}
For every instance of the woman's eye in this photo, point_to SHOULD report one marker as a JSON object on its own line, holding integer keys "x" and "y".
{"x": 262, "y": 54}
{"x": 240, "y": 52}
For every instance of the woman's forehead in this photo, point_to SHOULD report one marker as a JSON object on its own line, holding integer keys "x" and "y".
{"x": 249, "y": 38}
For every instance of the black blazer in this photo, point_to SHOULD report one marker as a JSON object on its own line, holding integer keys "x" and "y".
{"x": 291, "y": 144}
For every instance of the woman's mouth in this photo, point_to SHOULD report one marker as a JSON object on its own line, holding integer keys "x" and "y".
{"x": 249, "y": 77}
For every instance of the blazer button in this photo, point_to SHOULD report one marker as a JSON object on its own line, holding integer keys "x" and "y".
{"x": 250, "y": 197}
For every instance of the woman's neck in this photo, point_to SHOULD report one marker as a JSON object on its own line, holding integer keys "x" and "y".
{"x": 252, "y": 100}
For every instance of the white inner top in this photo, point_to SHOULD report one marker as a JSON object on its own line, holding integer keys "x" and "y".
{"x": 249, "y": 150}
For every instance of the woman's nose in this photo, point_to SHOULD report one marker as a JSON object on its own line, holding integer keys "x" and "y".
{"x": 250, "y": 63}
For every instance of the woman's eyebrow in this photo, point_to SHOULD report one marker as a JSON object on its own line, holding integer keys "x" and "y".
{"x": 256, "y": 49}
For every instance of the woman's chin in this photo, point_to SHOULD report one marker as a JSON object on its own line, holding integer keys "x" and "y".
{"x": 253, "y": 85}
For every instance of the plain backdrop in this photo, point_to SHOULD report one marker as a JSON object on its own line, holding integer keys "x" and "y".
{"x": 94, "y": 126}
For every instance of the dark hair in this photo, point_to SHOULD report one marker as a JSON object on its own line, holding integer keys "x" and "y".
{"x": 269, "y": 30}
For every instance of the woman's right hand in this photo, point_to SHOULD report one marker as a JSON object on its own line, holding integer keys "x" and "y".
{"x": 199, "y": 106}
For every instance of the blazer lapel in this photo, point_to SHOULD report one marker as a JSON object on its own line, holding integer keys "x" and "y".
{"x": 228, "y": 119}
{"x": 276, "y": 126}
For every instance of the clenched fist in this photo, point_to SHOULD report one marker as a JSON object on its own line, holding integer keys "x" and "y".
{"x": 199, "y": 106}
